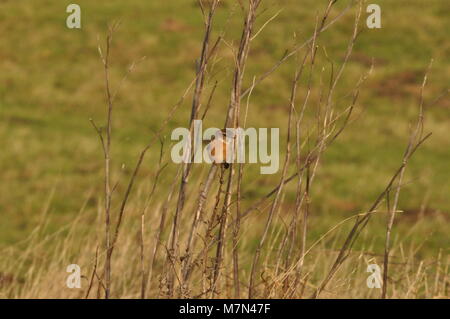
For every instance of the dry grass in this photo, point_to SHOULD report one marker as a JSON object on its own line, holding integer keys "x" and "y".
{"x": 195, "y": 239}
{"x": 39, "y": 272}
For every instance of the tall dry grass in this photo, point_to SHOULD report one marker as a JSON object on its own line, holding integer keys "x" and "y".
{"x": 196, "y": 239}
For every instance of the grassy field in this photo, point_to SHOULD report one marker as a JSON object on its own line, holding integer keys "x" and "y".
{"x": 52, "y": 84}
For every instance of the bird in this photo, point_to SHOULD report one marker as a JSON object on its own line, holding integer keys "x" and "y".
{"x": 218, "y": 148}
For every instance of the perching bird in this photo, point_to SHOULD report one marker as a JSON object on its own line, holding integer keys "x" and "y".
{"x": 218, "y": 148}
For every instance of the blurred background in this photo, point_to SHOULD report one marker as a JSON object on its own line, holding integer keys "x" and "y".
{"x": 51, "y": 84}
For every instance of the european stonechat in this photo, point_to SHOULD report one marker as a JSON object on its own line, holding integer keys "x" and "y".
{"x": 219, "y": 147}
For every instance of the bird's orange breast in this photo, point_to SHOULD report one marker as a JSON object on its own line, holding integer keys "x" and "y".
{"x": 218, "y": 151}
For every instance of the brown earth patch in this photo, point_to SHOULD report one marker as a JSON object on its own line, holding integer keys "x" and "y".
{"x": 366, "y": 60}
{"x": 173, "y": 25}
{"x": 415, "y": 214}
{"x": 400, "y": 84}
{"x": 5, "y": 280}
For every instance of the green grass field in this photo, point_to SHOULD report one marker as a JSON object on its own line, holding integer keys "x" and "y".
{"x": 51, "y": 85}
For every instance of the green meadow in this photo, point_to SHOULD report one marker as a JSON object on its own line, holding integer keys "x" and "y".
{"x": 52, "y": 84}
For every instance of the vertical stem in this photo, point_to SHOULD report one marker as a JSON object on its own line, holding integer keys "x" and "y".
{"x": 107, "y": 148}
{"x": 174, "y": 245}
{"x": 232, "y": 116}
